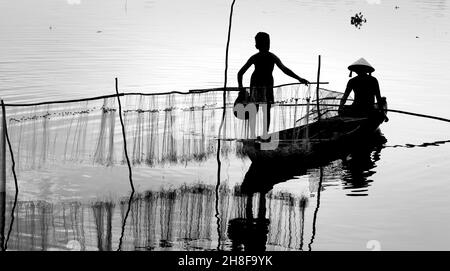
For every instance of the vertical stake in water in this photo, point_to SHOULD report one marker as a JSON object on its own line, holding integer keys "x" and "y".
{"x": 2, "y": 182}
{"x": 317, "y": 92}
{"x": 130, "y": 177}
{"x": 308, "y": 99}
{"x": 219, "y": 164}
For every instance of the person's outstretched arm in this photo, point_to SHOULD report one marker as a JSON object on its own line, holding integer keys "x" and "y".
{"x": 243, "y": 70}
{"x": 288, "y": 72}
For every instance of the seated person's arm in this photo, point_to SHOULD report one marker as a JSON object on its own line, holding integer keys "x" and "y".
{"x": 377, "y": 94}
{"x": 348, "y": 89}
{"x": 380, "y": 100}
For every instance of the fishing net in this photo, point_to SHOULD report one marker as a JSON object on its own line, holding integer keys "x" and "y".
{"x": 159, "y": 128}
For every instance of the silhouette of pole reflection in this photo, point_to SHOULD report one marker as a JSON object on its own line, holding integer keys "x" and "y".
{"x": 3, "y": 219}
{"x": 317, "y": 209}
{"x": 124, "y": 222}
{"x": 216, "y": 205}
{"x": 303, "y": 204}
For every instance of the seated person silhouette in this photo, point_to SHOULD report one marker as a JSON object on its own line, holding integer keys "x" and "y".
{"x": 365, "y": 88}
{"x": 261, "y": 82}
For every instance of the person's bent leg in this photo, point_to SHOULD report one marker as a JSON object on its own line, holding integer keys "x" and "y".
{"x": 252, "y": 120}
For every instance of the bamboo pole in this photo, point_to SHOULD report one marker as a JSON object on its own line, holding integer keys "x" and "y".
{"x": 317, "y": 92}
{"x": 2, "y": 181}
{"x": 222, "y": 123}
{"x": 5, "y": 139}
{"x": 418, "y": 115}
{"x": 306, "y": 141}
{"x": 227, "y": 89}
{"x": 130, "y": 172}
{"x": 3, "y": 156}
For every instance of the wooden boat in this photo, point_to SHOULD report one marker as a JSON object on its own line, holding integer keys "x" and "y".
{"x": 334, "y": 136}
{"x": 264, "y": 174}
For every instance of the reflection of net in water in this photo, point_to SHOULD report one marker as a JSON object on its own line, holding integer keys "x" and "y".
{"x": 178, "y": 219}
{"x": 159, "y": 128}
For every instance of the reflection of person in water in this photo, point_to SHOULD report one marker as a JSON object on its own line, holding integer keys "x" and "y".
{"x": 365, "y": 88}
{"x": 360, "y": 164}
{"x": 250, "y": 233}
{"x": 261, "y": 82}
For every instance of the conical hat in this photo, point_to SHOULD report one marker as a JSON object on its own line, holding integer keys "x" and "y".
{"x": 361, "y": 63}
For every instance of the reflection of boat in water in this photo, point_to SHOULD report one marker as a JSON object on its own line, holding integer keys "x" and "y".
{"x": 357, "y": 164}
{"x": 334, "y": 135}
{"x": 251, "y": 233}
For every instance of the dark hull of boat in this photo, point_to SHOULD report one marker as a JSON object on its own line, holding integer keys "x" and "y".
{"x": 264, "y": 174}
{"x": 325, "y": 139}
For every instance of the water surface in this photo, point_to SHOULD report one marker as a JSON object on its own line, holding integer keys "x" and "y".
{"x": 396, "y": 194}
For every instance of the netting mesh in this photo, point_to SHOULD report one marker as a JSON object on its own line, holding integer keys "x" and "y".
{"x": 169, "y": 128}
{"x": 159, "y": 128}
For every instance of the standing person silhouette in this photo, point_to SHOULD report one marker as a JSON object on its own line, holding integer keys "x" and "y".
{"x": 261, "y": 82}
